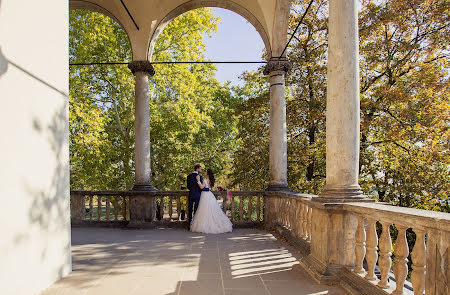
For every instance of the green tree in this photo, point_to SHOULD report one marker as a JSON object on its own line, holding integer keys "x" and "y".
{"x": 404, "y": 104}
{"x": 192, "y": 115}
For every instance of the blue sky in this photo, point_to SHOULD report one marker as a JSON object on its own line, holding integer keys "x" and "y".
{"x": 235, "y": 40}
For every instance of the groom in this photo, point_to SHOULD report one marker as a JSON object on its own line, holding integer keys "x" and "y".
{"x": 194, "y": 192}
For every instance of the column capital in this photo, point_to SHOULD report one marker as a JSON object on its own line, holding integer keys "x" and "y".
{"x": 277, "y": 65}
{"x": 143, "y": 66}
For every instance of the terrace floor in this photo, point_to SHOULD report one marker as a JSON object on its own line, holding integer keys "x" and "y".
{"x": 175, "y": 261}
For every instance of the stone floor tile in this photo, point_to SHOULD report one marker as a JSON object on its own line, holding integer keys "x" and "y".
{"x": 205, "y": 284}
{"x": 158, "y": 285}
{"x": 258, "y": 291}
{"x": 175, "y": 261}
{"x": 240, "y": 282}
{"x": 301, "y": 288}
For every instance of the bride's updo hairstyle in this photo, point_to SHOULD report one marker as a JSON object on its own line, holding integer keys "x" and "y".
{"x": 212, "y": 180}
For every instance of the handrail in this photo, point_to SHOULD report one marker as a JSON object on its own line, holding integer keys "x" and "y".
{"x": 159, "y": 193}
{"x": 409, "y": 217}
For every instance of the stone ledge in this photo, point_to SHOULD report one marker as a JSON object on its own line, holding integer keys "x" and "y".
{"x": 300, "y": 244}
{"x": 410, "y": 217}
{"x": 355, "y": 284}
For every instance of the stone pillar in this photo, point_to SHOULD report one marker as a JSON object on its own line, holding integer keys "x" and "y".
{"x": 276, "y": 68}
{"x": 77, "y": 208}
{"x": 142, "y": 207}
{"x": 342, "y": 121}
{"x": 141, "y": 70}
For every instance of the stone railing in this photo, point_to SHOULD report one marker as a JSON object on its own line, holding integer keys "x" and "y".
{"x": 345, "y": 243}
{"x": 290, "y": 214}
{"x": 430, "y": 232}
{"x": 156, "y": 208}
{"x": 352, "y": 243}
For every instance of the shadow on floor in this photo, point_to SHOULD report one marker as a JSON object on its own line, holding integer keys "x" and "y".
{"x": 174, "y": 261}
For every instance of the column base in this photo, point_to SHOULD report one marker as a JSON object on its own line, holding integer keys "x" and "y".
{"x": 342, "y": 194}
{"x": 278, "y": 187}
{"x": 143, "y": 187}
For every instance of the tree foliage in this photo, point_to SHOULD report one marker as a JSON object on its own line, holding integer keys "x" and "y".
{"x": 192, "y": 116}
{"x": 404, "y": 103}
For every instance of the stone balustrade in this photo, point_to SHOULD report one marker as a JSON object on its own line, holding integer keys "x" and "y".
{"x": 430, "y": 232}
{"x": 125, "y": 208}
{"x": 359, "y": 235}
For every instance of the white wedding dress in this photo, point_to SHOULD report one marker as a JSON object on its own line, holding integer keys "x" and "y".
{"x": 209, "y": 218}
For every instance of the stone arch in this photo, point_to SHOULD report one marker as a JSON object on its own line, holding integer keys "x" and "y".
{"x": 194, "y": 4}
{"x": 83, "y": 4}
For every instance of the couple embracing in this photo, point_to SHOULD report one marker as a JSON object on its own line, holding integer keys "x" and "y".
{"x": 208, "y": 216}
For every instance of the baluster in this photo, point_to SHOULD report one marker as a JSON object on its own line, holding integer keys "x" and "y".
{"x": 232, "y": 208}
{"x": 108, "y": 207}
{"x": 249, "y": 209}
{"x": 258, "y": 208}
{"x": 360, "y": 248}
{"x": 161, "y": 208}
{"x": 286, "y": 213}
{"x": 371, "y": 248}
{"x": 309, "y": 223}
{"x": 305, "y": 221}
{"x": 384, "y": 261}
{"x": 224, "y": 204}
{"x": 170, "y": 208}
{"x": 124, "y": 208}
{"x": 116, "y": 209}
{"x": 419, "y": 259}
{"x": 276, "y": 209}
{"x": 179, "y": 207}
{"x": 91, "y": 207}
{"x": 99, "y": 207}
{"x": 241, "y": 209}
{"x": 294, "y": 216}
{"x": 297, "y": 223}
{"x": 291, "y": 216}
{"x": 401, "y": 252}
{"x": 300, "y": 220}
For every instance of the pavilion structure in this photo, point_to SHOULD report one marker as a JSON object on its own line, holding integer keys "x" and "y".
{"x": 338, "y": 232}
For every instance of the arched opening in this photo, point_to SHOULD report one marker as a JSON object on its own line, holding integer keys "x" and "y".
{"x": 89, "y": 6}
{"x": 189, "y": 102}
{"x": 191, "y": 5}
{"x": 100, "y": 102}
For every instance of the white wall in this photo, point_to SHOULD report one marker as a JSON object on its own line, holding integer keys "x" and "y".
{"x": 34, "y": 159}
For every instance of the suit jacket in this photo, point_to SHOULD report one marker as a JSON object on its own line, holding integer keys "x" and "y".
{"x": 194, "y": 189}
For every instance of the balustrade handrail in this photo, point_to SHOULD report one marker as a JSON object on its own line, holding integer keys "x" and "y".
{"x": 409, "y": 217}
{"x": 159, "y": 193}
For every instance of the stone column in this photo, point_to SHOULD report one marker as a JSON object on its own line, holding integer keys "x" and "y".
{"x": 342, "y": 114}
{"x": 333, "y": 229}
{"x": 276, "y": 68}
{"x": 77, "y": 208}
{"x": 142, "y": 206}
{"x": 141, "y": 70}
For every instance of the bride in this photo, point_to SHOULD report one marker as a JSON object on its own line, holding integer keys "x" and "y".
{"x": 209, "y": 218}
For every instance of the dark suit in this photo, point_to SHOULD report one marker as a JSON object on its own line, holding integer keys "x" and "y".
{"x": 194, "y": 194}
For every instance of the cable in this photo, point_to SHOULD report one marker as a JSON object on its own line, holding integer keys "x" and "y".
{"x": 295, "y": 31}
{"x": 171, "y": 62}
{"x": 129, "y": 14}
